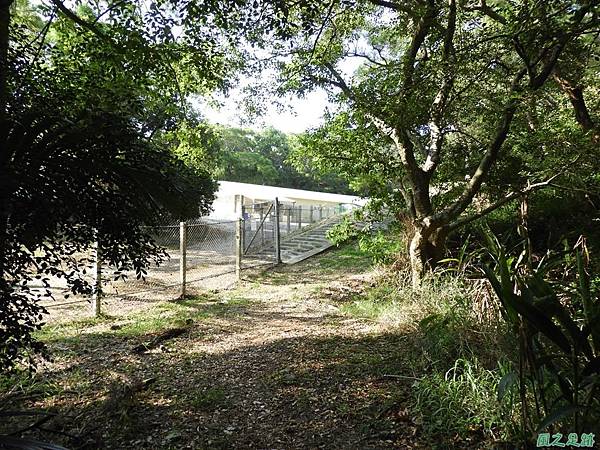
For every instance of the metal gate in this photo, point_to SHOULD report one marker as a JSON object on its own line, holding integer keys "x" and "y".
{"x": 260, "y": 234}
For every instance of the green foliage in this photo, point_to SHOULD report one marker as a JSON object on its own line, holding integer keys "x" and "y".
{"x": 85, "y": 156}
{"x": 248, "y": 167}
{"x": 462, "y": 355}
{"x": 194, "y": 142}
{"x": 208, "y": 399}
{"x": 462, "y": 403}
{"x": 356, "y": 157}
{"x": 383, "y": 247}
{"x": 463, "y": 261}
{"x": 554, "y": 215}
{"x": 441, "y": 331}
{"x": 447, "y": 110}
{"x": 559, "y": 339}
{"x": 266, "y": 157}
{"x": 348, "y": 256}
{"x": 381, "y": 303}
{"x": 343, "y": 232}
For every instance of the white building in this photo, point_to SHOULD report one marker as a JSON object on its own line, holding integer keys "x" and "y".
{"x": 230, "y": 194}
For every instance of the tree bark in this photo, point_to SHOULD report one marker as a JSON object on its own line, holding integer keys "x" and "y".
{"x": 427, "y": 248}
{"x": 4, "y": 41}
{"x": 575, "y": 95}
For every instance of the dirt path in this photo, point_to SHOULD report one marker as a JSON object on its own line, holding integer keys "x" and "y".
{"x": 271, "y": 364}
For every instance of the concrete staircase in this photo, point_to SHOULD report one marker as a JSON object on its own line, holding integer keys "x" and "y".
{"x": 300, "y": 244}
{"x": 307, "y": 242}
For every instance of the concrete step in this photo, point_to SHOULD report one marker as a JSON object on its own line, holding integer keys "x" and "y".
{"x": 304, "y": 243}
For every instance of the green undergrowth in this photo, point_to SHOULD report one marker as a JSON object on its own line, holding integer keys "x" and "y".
{"x": 378, "y": 247}
{"x": 347, "y": 256}
{"x": 207, "y": 399}
{"x": 163, "y": 315}
{"x": 459, "y": 349}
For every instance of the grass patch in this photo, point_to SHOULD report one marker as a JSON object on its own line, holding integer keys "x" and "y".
{"x": 345, "y": 257}
{"x": 160, "y": 316}
{"x": 24, "y": 383}
{"x": 463, "y": 403}
{"x": 377, "y": 303}
{"x": 207, "y": 400}
{"x": 63, "y": 330}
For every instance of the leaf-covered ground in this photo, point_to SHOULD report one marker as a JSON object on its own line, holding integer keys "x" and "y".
{"x": 273, "y": 363}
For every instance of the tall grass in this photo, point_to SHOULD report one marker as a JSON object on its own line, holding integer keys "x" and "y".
{"x": 459, "y": 348}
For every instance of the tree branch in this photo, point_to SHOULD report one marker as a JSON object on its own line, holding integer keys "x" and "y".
{"x": 439, "y": 103}
{"x": 393, "y": 5}
{"x": 503, "y": 201}
{"x": 557, "y": 49}
{"x": 110, "y": 8}
{"x": 78, "y": 20}
{"x": 339, "y": 81}
{"x": 422, "y": 30}
{"x": 487, "y": 160}
{"x": 488, "y": 11}
{"x": 368, "y": 58}
{"x": 575, "y": 94}
{"x": 380, "y": 53}
{"x": 314, "y": 47}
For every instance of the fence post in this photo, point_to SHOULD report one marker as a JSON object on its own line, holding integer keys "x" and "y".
{"x": 243, "y": 232}
{"x": 261, "y": 224}
{"x": 320, "y": 212}
{"x": 311, "y": 215}
{"x": 97, "y": 271}
{"x": 289, "y": 214}
{"x": 182, "y": 256}
{"x": 277, "y": 234}
{"x": 299, "y": 217}
{"x": 238, "y": 248}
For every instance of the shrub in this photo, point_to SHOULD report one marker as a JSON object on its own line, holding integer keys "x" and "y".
{"x": 382, "y": 247}
{"x": 557, "y": 323}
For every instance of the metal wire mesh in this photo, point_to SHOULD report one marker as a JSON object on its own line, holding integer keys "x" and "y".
{"x": 210, "y": 264}
{"x": 160, "y": 282}
{"x": 293, "y": 218}
{"x": 211, "y": 254}
{"x": 258, "y": 236}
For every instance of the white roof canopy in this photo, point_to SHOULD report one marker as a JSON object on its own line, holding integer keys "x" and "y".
{"x": 262, "y": 192}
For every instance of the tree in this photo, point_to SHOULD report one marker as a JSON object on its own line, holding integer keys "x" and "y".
{"x": 448, "y": 105}
{"x": 83, "y": 158}
{"x": 265, "y": 157}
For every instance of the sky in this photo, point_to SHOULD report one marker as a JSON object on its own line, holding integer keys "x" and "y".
{"x": 306, "y": 112}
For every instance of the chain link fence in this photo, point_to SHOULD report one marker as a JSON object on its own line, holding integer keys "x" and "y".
{"x": 258, "y": 234}
{"x": 201, "y": 257}
{"x": 211, "y": 255}
{"x": 203, "y": 254}
{"x": 294, "y": 218}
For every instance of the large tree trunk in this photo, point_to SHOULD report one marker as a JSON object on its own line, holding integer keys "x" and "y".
{"x": 427, "y": 248}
